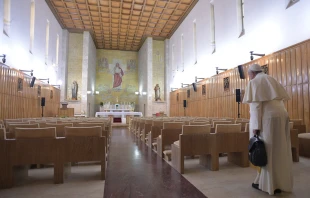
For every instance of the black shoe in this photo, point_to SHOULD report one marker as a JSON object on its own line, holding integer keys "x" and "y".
{"x": 277, "y": 191}
{"x": 255, "y": 186}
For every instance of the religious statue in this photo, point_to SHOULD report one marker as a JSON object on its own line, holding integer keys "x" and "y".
{"x": 157, "y": 92}
{"x": 74, "y": 88}
{"x": 118, "y": 76}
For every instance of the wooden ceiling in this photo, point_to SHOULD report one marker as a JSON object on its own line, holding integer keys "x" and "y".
{"x": 122, "y": 24}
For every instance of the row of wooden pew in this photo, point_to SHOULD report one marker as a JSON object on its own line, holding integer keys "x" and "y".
{"x": 178, "y": 137}
{"x": 60, "y": 142}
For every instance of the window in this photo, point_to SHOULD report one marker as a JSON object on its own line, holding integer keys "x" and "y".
{"x": 47, "y": 40}
{"x": 182, "y": 52}
{"x": 6, "y": 16}
{"x": 195, "y": 42}
{"x": 240, "y": 13}
{"x": 173, "y": 61}
{"x": 57, "y": 49}
{"x": 212, "y": 28}
{"x": 290, "y": 3}
{"x": 32, "y": 19}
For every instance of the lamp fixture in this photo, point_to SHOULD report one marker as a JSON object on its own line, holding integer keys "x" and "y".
{"x": 144, "y": 93}
{"x": 173, "y": 89}
{"x": 217, "y": 70}
{"x": 88, "y": 92}
{"x": 48, "y": 80}
{"x": 3, "y": 58}
{"x": 254, "y": 54}
{"x": 182, "y": 85}
{"x": 56, "y": 86}
{"x": 26, "y": 71}
{"x": 196, "y": 79}
{"x": 137, "y": 93}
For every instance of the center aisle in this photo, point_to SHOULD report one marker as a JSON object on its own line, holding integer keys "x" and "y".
{"x": 133, "y": 170}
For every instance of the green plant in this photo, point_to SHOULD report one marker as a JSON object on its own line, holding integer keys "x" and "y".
{"x": 101, "y": 103}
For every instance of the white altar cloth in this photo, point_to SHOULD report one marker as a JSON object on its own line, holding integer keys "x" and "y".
{"x": 123, "y": 114}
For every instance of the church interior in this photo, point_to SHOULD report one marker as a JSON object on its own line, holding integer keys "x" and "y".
{"x": 146, "y": 98}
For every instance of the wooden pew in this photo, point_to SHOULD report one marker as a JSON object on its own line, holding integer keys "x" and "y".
{"x": 146, "y": 130}
{"x": 60, "y": 128}
{"x": 230, "y": 140}
{"x": 84, "y": 144}
{"x": 24, "y": 151}
{"x": 187, "y": 145}
{"x": 169, "y": 134}
{"x": 104, "y": 132}
{"x": 11, "y": 129}
{"x": 154, "y": 133}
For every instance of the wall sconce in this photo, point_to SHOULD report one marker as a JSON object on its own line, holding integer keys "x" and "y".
{"x": 93, "y": 93}
{"x": 173, "y": 89}
{"x": 196, "y": 79}
{"x": 48, "y": 80}
{"x": 217, "y": 70}
{"x": 137, "y": 93}
{"x": 3, "y": 59}
{"x": 56, "y": 86}
{"x": 144, "y": 93}
{"x": 26, "y": 71}
{"x": 182, "y": 85}
{"x": 252, "y": 54}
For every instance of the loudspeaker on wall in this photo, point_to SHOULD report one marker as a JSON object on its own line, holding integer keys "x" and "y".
{"x": 238, "y": 95}
{"x": 42, "y": 102}
{"x": 241, "y": 72}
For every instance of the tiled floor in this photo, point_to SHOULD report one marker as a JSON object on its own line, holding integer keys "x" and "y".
{"x": 84, "y": 181}
{"x": 235, "y": 182}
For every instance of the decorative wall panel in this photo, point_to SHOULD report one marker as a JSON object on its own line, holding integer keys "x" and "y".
{"x": 25, "y": 103}
{"x": 289, "y": 66}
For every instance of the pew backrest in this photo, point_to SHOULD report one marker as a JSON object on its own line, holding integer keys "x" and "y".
{"x": 60, "y": 128}
{"x": 228, "y": 128}
{"x": 196, "y": 129}
{"x": 95, "y": 131}
{"x": 31, "y": 133}
{"x": 173, "y": 125}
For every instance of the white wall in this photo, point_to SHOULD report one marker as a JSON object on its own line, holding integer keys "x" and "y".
{"x": 145, "y": 58}
{"x": 269, "y": 27}
{"x": 16, "y": 45}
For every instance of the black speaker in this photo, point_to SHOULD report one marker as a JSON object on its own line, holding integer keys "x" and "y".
{"x": 42, "y": 102}
{"x": 32, "y": 81}
{"x": 238, "y": 95}
{"x": 184, "y": 103}
{"x": 194, "y": 87}
{"x": 241, "y": 72}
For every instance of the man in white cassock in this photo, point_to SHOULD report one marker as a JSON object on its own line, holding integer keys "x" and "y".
{"x": 269, "y": 119}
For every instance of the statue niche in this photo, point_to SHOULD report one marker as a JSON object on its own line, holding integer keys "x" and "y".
{"x": 74, "y": 88}
{"x": 157, "y": 92}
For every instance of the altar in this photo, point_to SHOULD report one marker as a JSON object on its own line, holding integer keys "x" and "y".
{"x": 123, "y": 115}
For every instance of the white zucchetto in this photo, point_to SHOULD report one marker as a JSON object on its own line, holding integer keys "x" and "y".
{"x": 255, "y": 68}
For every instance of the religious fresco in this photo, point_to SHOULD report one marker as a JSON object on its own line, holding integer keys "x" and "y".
{"x": 117, "y": 76}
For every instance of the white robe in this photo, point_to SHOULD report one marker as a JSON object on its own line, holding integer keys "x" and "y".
{"x": 268, "y": 114}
